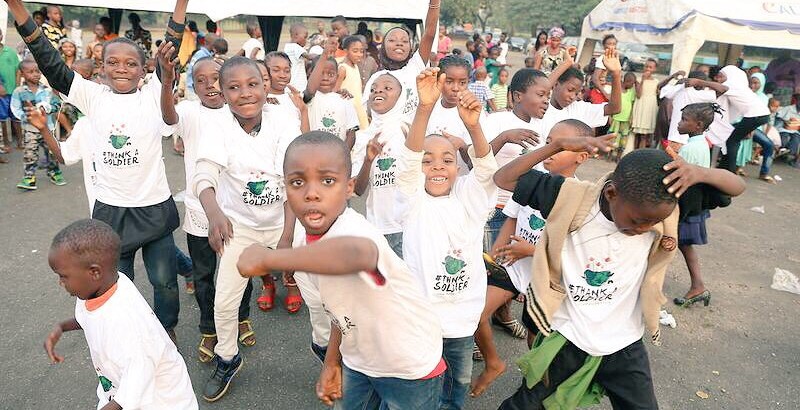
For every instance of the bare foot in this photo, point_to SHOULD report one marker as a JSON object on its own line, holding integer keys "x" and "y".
{"x": 487, "y": 377}
{"x": 694, "y": 292}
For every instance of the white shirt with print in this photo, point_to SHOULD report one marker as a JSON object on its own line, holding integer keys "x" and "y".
{"x": 408, "y": 80}
{"x": 443, "y": 239}
{"x": 77, "y": 149}
{"x": 136, "y": 363}
{"x": 529, "y": 227}
{"x": 330, "y": 112}
{"x": 592, "y": 115}
{"x": 447, "y": 120}
{"x": 602, "y": 270}
{"x": 391, "y": 321}
{"x": 279, "y": 107}
{"x": 384, "y": 208}
{"x": 126, "y": 133}
{"x": 295, "y": 53}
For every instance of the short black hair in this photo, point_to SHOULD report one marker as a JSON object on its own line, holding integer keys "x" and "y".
{"x": 453, "y": 61}
{"x": 237, "y": 61}
{"x": 90, "y": 240}
{"x": 220, "y": 46}
{"x": 200, "y": 61}
{"x": 639, "y": 177}
{"x": 703, "y": 112}
{"x": 698, "y": 75}
{"x": 128, "y": 42}
{"x": 350, "y": 40}
{"x": 339, "y": 19}
{"x": 251, "y": 27}
{"x": 571, "y": 73}
{"x": 211, "y": 26}
{"x": 276, "y": 54}
{"x": 321, "y": 138}
{"x": 317, "y": 59}
{"x": 580, "y": 127}
{"x": 628, "y": 75}
{"x": 523, "y": 79}
{"x": 606, "y": 38}
{"x": 26, "y": 61}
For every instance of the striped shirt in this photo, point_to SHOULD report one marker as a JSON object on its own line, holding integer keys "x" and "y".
{"x": 481, "y": 91}
{"x": 500, "y": 92}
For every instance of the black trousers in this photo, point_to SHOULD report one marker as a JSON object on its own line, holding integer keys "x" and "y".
{"x": 740, "y": 130}
{"x": 625, "y": 375}
{"x": 204, "y": 264}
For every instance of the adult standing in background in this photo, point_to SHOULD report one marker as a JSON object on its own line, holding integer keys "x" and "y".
{"x": 503, "y": 44}
{"x": 548, "y": 58}
{"x": 445, "y": 43}
{"x": 109, "y": 29}
{"x": 53, "y": 28}
{"x": 539, "y": 44}
{"x": 99, "y": 38}
{"x": 139, "y": 35}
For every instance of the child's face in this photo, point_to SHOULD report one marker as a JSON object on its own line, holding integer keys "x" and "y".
{"x": 31, "y": 73}
{"x": 567, "y": 92}
{"x": 601, "y": 77}
{"x": 494, "y": 53}
{"x": 610, "y": 44}
{"x": 97, "y": 52}
{"x": 529, "y": 62}
{"x": 535, "y": 99}
{"x": 755, "y": 84}
{"x": 384, "y": 93}
{"x": 265, "y": 77}
{"x": 439, "y": 164}
{"x": 317, "y": 185}
{"x": 76, "y": 278}
{"x": 481, "y": 74}
{"x": 329, "y": 74}
{"x": 122, "y": 67}
{"x": 774, "y": 106}
{"x": 355, "y": 52}
{"x": 150, "y": 65}
{"x": 503, "y": 77}
{"x": 300, "y": 37}
{"x": 280, "y": 74}
{"x": 689, "y": 125}
{"x": 629, "y": 82}
{"x": 206, "y": 84}
{"x": 632, "y": 218}
{"x": 99, "y": 30}
{"x": 564, "y": 163}
{"x": 85, "y": 70}
{"x": 456, "y": 81}
{"x": 339, "y": 29}
{"x": 649, "y": 67}
{"x": 482, "y": 52}
{"x": 68, "y": 49}
{"x": 397, "y": 44}
{"x": 442, "y": 30}
{"x": 244, "y": 91}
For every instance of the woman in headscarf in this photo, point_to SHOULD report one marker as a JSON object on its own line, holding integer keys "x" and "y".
{"x": 550, "y": 57}
{"x": 757, "y": 82}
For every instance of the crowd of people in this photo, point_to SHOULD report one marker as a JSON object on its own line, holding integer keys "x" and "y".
{"x": 472, "y": 202}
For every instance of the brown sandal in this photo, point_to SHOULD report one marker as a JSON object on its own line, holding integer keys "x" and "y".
{"x": 206, "y": 354}
{"x": 247, "y": 337}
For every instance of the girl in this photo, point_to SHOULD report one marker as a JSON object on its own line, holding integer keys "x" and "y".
{"x": 621, "y": 123}
{"x": 643, "y": 119}
{"x": 541, "y": 42}
{"x": 442, "y": 227}
{"x": 132, "y": 194}
{"x": 553, "y": 55}
{"x": 349, "y": 77}
{"x": 695, "y": 120}
{"x": 379, "y": 145}
{"x": 238, "y": 180}
{"x": 53, "y": 28}
{"x": 445, "y": 43}
{"x": 68, "y": 51}
{"x": 745, "y": 154}
{"x": 500, "y": 91}
{"x": 609, "y": 42}
{"x": 481, "y": 54}
{"x": 397, "y": 56}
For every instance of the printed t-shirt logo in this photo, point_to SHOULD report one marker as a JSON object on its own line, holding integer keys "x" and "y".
{"x": 256, "y": 187}
{"x": 600, "y": 286}
{"x": 535, "y": 222}
{"x": 453, "y": 265}
{"x": 105, "y": 383}
{"x": 119, "y": 155}
{"x": 385, "y": 163}
{"x": 455, "y": 279}
{"x": 328, "y": 122}
{"x": 383, "y": 171}
{"x": 258, "y": 191}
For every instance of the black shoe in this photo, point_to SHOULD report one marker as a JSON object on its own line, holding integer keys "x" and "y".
{"x": 220, "y": 380}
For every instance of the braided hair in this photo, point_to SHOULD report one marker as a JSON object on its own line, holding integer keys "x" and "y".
{"x": 703, "y": 112}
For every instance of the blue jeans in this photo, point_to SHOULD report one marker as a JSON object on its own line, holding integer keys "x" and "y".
{"x": 457, "y": 354}
{"x": 361, "y": 392}
{"x": 159, "y": 261}
{"x": 184, "y": 264}
{"x": 492, "y": 228}
{"x": 395, "y": 242}
{"x": 767, "y": 150}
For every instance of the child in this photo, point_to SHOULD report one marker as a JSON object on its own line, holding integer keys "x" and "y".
{"x": 493, "y": 66}
{"x": 516, "y": 241}
{"x": 681, "y": 96}
{"x": 565, "y": 102}
{"x": 132, "y": 191}
{"x": 34, "y": 93}
{"x": 598, "y": 273}
{"x": 349, "y": 77}
{"x": 328, "y": 111}
{"x": 379, "y": 145}
{"x": 695, "y": 120}
{"x": 397, "y": 361}
{"x": 238, "y": 181}
{"x": 397, "y": 56}
{"x": 297, "y": 55}
{"x": 529, "y": 61}
{"x": 643, "y": 118}
{"x": 481, "y": 54}
{"x": 481, "y": 90}
{"x": 99, "y": 38}
{"x": 134, "y": 358}
{"x": 443, "y": 226}
{"x": 621, "y": 122}
{"x": 254, "y": 46}
{"x": 500, "y": 91}
{"x": 282, "y": 103}
{"x": 76, "y": 35}
{"x": 9, "y": 73}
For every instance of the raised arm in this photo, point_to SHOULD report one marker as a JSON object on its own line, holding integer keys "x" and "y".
{"x": 611, "y": 61}
{"x": 374, "y": 148}
{"x": 717, "y": 87}
{"x": 167, "y": 59}
{"x": 175, "y": 28}
{"x": 679, "y": 73}
{"x": 469, "y": 109}
{"x": 322, "y": 257}
{"x": 683, "y": 175}
{"x": 316, "y": 74}
{"x": 431, "y": 29}
{"x": 429, "y": 89}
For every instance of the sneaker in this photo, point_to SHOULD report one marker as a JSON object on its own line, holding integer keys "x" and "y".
{"x": 56, "y": 178}
{"x": 220, "y": 380}
{"x": 28, "y": 183}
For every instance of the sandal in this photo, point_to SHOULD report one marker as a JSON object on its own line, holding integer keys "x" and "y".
{"x": 513, "y": 327}
{"x": 248, "y": 336}
{"x": 267, "y": 299}
{"x": 293, "y": 303}
{"x": 767, "y": 178}
{"x": 206, "y": 354}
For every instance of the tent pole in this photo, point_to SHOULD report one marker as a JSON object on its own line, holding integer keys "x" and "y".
{"x": 271, "y": 28}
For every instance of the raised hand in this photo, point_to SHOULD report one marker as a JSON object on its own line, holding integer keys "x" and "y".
{"x": 682, "y": 175}
{"x": 168, "y": 60}
{"x": 456, "y": 141}
{"x": 611, "y": 61}
{"x": 592, "y": 145}
{"x": 374, "y": 148}
{"x": 297, "y": 98}
{"x": 429, "y": 87}
{"x": 469, "y": 108}
{"x": 36, "y": 116}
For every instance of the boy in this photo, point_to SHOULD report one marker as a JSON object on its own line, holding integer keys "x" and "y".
{"x": 136, "y": 362}
{"x": 253, "y": 48}
{"x": 396, "y": 360}
{"x": 298, "y": 55}
{"x": 529, "y": 62}
{"x": 598, "y": 273}
{"x": 340, "y": 30}
{"x": 9, "y": 78}
{"x": 514, "y": 247}
{"x": 327, "y": 110}
{"x": 481, "y": 90}
{"x": 33, "y": 93}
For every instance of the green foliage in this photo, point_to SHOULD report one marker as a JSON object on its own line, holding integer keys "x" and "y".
{"x": 521, "y": 17}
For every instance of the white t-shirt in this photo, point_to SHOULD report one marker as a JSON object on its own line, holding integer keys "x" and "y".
{"x": 742, "y": 102}
{"x": 253, "y": 43}
{"x": 76, "y": 149}
{"x": 384, "y": 208}
{"x": 681, "y": 97}
{"x": 447, "y": 120}
{"x": 602, "y": 271}
{"x": 295, "y": 53}
{"x": 251, "y": 190}
{"x": 125, "y": 134}
{"x": 530, "y": 225}
{"x": 284, "y": 110}
{"x": 498, "y": 122}
{"x": 331, "y": 113}
{"x": 503, "y": 53}
{"x": 136, "y": 362}
{"x": 408, "y": 80}
{"x": 591, "y": 114}
{"x": 443, "y": 239}
{"x": 193, "y": 119}
{"x": 388, "y": 329}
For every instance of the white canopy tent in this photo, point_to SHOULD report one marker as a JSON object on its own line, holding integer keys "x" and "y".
{"x": 687, "y": 24}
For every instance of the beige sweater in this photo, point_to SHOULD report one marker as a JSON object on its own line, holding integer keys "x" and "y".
{"x": 546, "y": 291}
